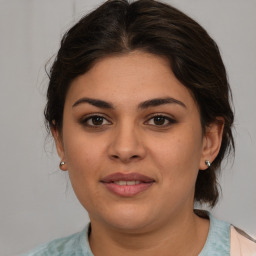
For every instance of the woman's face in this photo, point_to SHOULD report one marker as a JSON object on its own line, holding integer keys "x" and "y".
{"x": 132, "y": 141}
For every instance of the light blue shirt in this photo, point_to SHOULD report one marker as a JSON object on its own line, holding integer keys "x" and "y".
{"x": 74, "y": 245}
{"x": 218, "y": 239}
{"x": 217, "y": 243}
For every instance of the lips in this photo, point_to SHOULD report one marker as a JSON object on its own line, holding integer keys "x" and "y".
{"x": 126, "y": 177}
{"x": 127, "y": 185}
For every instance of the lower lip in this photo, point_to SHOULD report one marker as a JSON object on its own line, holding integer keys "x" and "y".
{"x": 127, "y": 190}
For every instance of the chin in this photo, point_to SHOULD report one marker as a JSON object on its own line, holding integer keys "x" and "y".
{"x": 128, "y": 219}
{"x": 130, "y": 224}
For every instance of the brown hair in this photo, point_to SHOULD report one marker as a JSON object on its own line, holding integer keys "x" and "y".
{"x": 118, "y": 27}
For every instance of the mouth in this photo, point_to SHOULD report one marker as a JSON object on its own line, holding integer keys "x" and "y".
{"x": 127, "y": 185}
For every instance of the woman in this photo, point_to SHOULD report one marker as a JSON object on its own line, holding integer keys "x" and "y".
{"x": 138, "y": 105}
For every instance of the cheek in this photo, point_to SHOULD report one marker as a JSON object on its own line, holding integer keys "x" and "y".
{"x": 84, "y": 157}
{"x": 83, "y": 154}
{"x": 178, "y": 154}
{"x": 177, "y": 160}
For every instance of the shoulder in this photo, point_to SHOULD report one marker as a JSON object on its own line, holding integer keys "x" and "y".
{"x": 73, "y": 245}
{"x": 61, "y": 246}
{"x": 241, "y": 243}
{"x": 225, "y": 239}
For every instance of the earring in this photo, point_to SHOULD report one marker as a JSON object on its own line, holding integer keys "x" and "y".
{"x": 61, "y": 164}
{"x": 208, "y": 163}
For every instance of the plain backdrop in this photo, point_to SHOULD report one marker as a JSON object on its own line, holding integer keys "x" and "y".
{"x": 36, "y": 199}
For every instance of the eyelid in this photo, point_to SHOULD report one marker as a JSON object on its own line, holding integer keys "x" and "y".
{"x": 84, "y": 120}
{"x": 88, "y": 115}
{"x": 171, "y": 120}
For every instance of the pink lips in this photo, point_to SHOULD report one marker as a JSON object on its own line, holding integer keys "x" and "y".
{"x": 127, "y": 185}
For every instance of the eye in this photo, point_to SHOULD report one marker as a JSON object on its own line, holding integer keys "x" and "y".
{"x": 160, "y": 120}
{"x": 95, "y": 121}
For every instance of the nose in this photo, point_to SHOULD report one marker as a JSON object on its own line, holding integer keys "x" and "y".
{"x": 126, "y": 145}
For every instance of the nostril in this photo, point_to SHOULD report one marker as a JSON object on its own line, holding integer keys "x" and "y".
{"x": 125, "y": 158}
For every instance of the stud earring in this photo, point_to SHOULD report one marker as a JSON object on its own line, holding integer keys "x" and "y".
{"x": 208, "y": 163}
{"x": 61, "y": 164}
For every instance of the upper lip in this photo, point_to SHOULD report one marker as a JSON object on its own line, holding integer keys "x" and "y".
{"x": 126, "y": 177}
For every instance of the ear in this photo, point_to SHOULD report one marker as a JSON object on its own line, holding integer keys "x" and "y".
{"x": 59, "y": 146}
{"x": 212, "y": 142}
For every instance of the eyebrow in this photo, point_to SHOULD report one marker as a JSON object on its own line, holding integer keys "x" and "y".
{"x": 160, "y": 101}
{"x": 94, "y": 102}
{"x": 143, "y": 105}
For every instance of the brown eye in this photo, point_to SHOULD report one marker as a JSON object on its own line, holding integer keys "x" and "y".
{"x": 97, "y": 120}
{"x": 94, "y": 121}
{"x": 160, "y": 120}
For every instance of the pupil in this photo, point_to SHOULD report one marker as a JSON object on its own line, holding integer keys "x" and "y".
{"x": 159, "y": 120}
{"x": 97, "y": 120}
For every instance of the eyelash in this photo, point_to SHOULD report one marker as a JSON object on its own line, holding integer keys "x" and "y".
{"x": 85, "y": 120}
{"x": 166, "y": 118}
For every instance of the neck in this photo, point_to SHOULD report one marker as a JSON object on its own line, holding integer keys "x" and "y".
{"x": 183, "y": 235}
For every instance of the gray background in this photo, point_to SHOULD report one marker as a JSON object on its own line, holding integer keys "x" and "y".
{"x": 37, "y": 201}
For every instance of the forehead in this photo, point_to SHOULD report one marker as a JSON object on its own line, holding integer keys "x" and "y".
{"x": 129, "y": 79}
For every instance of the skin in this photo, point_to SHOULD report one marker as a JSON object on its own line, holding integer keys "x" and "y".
{"x": 160, "y": 220}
